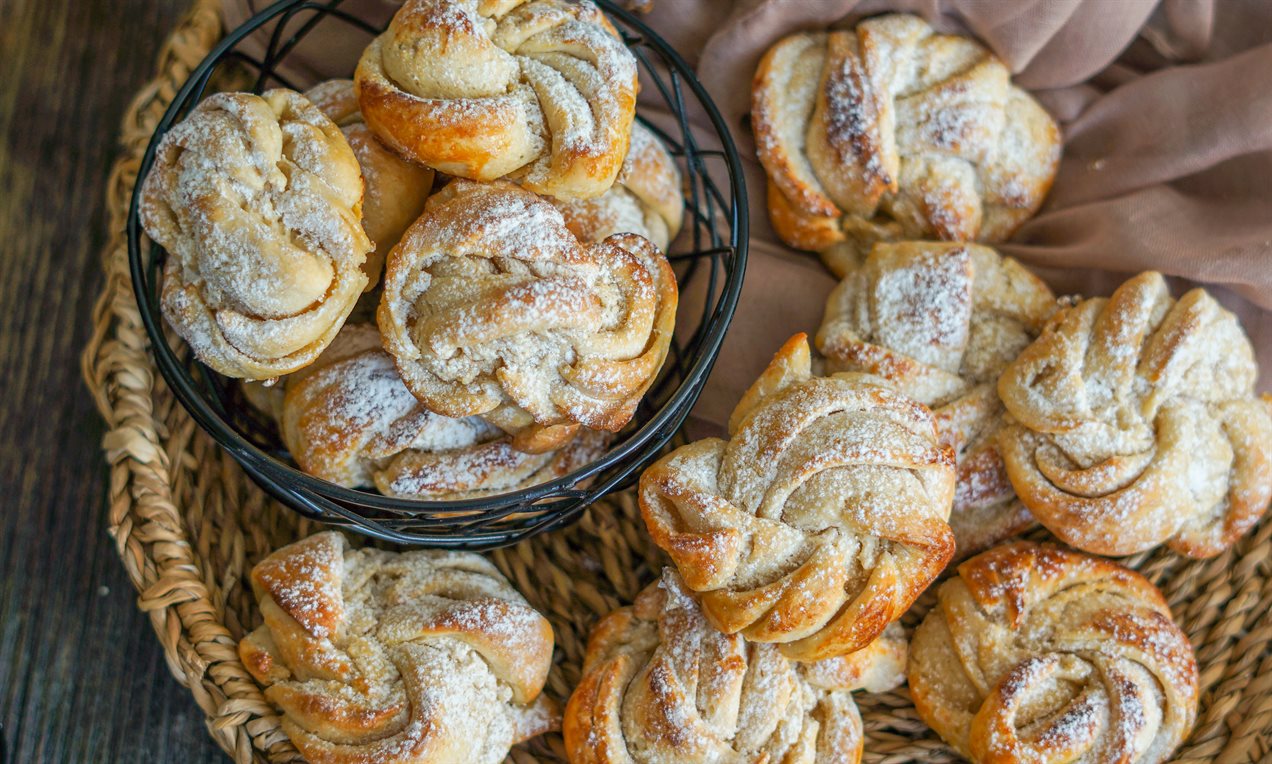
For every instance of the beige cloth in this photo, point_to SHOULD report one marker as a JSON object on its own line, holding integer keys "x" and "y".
{"x": 1166, "y": 110}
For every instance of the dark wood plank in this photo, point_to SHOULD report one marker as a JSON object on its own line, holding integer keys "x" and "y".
{"x": 82, "y": 678}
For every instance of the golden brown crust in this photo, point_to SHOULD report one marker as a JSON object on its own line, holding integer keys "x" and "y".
{"x": 941, "y": 321}
{"x": 647, "y": 199}
{"x": 543, "y": 88}
{"x": 785, "y": 86}
{"x": 1136, "y": 424}
{"x": 660, "y": 684}
{"x": 349, "y": 419}
{"x": 772, "y": 527}
{"x": 258, "y": 200}
{"x": 395, "y": 189}
{"x": 890, "y": 131}
{"x": 493, "y": 307}
{"x": 801, "y": 231}
{"x": 1036, "y": 653}
{"x": 416, "y": 658}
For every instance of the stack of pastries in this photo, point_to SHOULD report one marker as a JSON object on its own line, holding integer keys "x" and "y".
{"x": 480, "y": 201}
{"x": 444, "y": 278}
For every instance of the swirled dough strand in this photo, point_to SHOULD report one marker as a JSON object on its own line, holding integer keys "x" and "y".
{"x": 662, "y": 686}
{"x": 1135, "y": 423}
{"x": 396, "y": 188}
{"x": 348, "y": 418}
{"x": 821, "y": 518}
{"x": 1037, "y": 654}
{"x": 889, "y": 131}
{"x": 941, "y": 321}
{"x": 647, "y": 198}
{"x": 493, "y": 307}
{"x": 258, "y": 201}
{"x": 421, "y": 657}
{"x": 480, "y": 89}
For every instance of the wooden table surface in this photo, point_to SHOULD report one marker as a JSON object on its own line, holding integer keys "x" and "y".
{"x": 82, "y": 678}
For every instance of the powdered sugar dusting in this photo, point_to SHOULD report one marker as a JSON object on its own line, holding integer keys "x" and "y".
{"x": 433, "y": 652}
{"x": 915, "y": 135}
{"x": 490, "y": 291}
{"x": 1117, "y": 405}
{"x": 833, "y": 476}
{"x": 926, "y": 310}
{"x": 1054, "y": 651}
{"x": 689, "y": 691}
{"x": 555, "y": 68}
{"x": 353, "y": 421}
{"x": 256, "y": 199}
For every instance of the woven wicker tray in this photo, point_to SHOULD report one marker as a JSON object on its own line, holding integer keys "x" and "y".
{"x": 188, "y": 525}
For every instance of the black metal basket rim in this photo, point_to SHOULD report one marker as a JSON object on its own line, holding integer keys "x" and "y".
{"x": 260, "y": 464}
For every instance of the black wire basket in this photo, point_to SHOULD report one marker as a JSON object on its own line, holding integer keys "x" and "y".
{"x": 709, "y": 256}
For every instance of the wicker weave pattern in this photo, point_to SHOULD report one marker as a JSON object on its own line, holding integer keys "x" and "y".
{"x": 188, "y": 525}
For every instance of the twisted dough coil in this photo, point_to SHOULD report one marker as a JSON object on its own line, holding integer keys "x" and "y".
{"x": 422, "y": 657}
{"x": 647, "y": 199}
{"x": 890, "y": 131}
{"x": 395, "y": 188}
{"x": 660, "y": 685}
{"x": 1037, "y": 654}
{"x": 493, "y": 307}
{"x": 820, "y": 519}
{"x": 941, "y": 322}
{"x": 348, "y": 418}
{"x": 258, "y": 201}
{"x": 1136, "y": 424}
{"x": 481, "y": 89}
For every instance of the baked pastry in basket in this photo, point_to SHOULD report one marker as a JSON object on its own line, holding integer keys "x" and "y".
{"x": 1038, "y": 654}
{"x": 890, "y": 131}
{"x": 820, "y": 519}
{"x": 395, "y": 188}
{"x": 941, "y": 321}
{"x": 422, "y": 657}
{"x": 1135, "y": 423}
{"x": 660, "y": 684}
{"x": 493, "y": 307}
{"x": 647, "y": 199}
{"x": 348, "y": 418}
{"x": 258, "y": 200}
{"x": 544, "y": 89}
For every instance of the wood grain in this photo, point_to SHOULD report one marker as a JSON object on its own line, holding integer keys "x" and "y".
{"x": 82, "y": 678}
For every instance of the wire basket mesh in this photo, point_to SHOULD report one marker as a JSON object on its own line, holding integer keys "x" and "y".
{"x": 709, "y": 258}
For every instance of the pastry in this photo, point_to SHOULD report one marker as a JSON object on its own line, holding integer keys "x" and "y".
{"x": 647, "y": 199}
{"x": 660, "y": 685}
{"x": 1037, "y": 654}
{"x": 423, "y": 657}
{"x": 258, "y": 201}
{"x": 348, "y": 418}
{"x": 889, "y": 131}
{"x": 396, "y": 189}
{"x": 1135, "y": 423}
{"x": 941, "y": 321}
{"x": 543, "y": 89}
{"x": 820, "y": 519}
{"x": 493, "y": 307}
